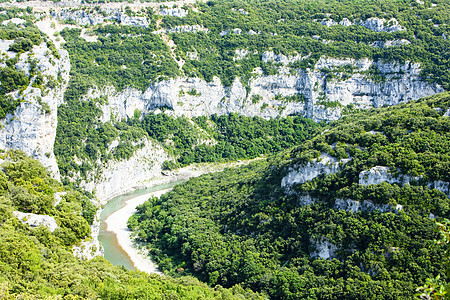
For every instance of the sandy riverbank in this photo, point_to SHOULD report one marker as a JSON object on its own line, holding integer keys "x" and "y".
{"x": 117, "y": 223}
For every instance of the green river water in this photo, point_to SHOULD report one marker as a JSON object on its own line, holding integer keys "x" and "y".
{"x": 113, "y": 252}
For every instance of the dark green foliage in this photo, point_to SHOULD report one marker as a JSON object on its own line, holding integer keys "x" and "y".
{"x": 237, "y": 136}
{"x": 439, "y": 288}
{"x": 118, "y": 59}
{"x": 11, "y": 80}
{"x": 37, "y": 263}
{"x": 241, "y": 226}
{"x": 21, "y": 45}
{"x": 7, "y": 105}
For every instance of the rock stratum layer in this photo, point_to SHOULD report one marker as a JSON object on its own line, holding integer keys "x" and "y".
{"x": 323, "y": 97}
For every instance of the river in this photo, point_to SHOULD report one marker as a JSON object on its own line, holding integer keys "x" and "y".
{"x": 108, "y": 237}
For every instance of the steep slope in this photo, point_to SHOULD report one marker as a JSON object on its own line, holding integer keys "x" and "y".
{"x": 347, "y": 214}
{"x": 40, "y": 221}
{"x": 204, "y": 59}
{"x": 33, "y": 80}
{"x": 192, "y": 61}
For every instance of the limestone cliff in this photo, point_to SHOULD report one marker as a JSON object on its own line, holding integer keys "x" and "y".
{"x": 32, "y": 127}
{"x": 325, "y": 91}
{"x": 119, "y": 177}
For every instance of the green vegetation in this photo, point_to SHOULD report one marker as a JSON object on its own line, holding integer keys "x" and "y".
{"x": 289, "y": 28}
{"x": 25, "y": 36}
{"x": 241, "y": 226}
{"x": 292, "y": 98}
{"x": 10, "y": 80}
{"x": 82, "y": 138}
{"x": 439, "y": 288}
{"x": 329, "y": 104}
{"x": 236, "y": 137}
{"x": 36, "y": 263}
{"x": 123, "y": 56}
{"x": 134, "y": 56}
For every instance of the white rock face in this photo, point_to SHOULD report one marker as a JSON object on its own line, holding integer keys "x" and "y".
{"x": 325, "y": 164}
{"x": 90, "y": 247}
{"x": 133, "y": 21}
{"x": 32, "y": 129}
{"x": 324, "y": 249}
{"x": 367, "y": 205}
{"x": 374, "y": 24}
{"x": 188, "y": 28}
{"x": 35, "y": 220}
{"x": 270, "y": 56}
{"x": 16, "y": 21}
{"x": 174, "y": 12}
{"x": 4, "y": 46}
{"x": 401, "y": 84}
{"x": 380, "y": 174}
{"x": 441, "y": 186}
{"x": 240, "y": 54}
{"x": 58, "y": 197}
{"x": 81, "y": 17}
{"x": 390, "y": 43}
{"x": 119, "y": 177}
{"x": 447, "y": 113}
{"x": 345, "y": 22}
{"x": 306, "y": 200}
{"x": 380, "y": 25}
{"x": 92, "y": 18}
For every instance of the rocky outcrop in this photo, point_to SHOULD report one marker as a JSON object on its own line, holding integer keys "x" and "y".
{"x": 325, "y": 164}
{"x": 379, "y": 174}
{"x": 173, "y": 12}
{"x": 35, "y": 220}
{"x": 447, "y": 113}
{"x": 91, "y": 247}
{"x": 32, "y": 128}
{"x": 326, "y": 90}
{"x": 382, "y": 25}
{"x": 16, "y": 21}
{"x": 119, "y": 177}
{"x": 323, "y": 248}
{"x": 374, "y": 24}
{"x": 390, "y": 43}
{"x": 90, "y": 17}
{"x": 367, "y": 205}
{"x": 270, "y": 56}
{"x": 188, "y": 28}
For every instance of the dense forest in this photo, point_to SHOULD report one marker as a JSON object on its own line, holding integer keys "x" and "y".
{"x": 243, "y": 226}
{"x": 36, "y": 263}
{"x": 126, "y": 55}
{"x": 258, "y": 231}
{"x": 81, "y": 134}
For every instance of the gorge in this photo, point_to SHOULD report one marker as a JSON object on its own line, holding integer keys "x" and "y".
{"x": 321, "y": 110}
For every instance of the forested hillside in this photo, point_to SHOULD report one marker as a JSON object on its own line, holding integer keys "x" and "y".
{"x": 333, "y": 209}
{"x": 237, "y": 41}
{"x": 318, "y": 221}
{"x": 202, "y": 139}
{"x": 37, "y": 261}
{"x": 228, "y": 38}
